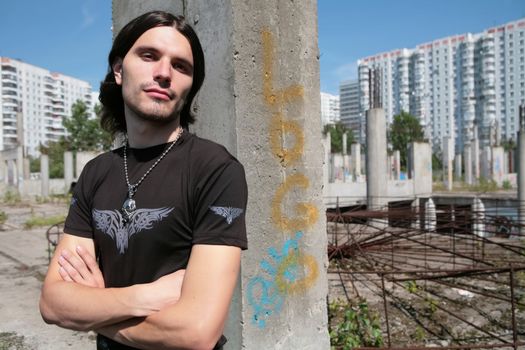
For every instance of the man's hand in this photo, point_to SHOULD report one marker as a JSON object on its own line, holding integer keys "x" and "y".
{"x": 82, "y": 269}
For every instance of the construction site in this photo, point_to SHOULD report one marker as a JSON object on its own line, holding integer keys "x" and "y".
{"x": 453, "y": 281}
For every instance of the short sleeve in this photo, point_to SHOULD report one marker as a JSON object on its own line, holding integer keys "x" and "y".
{"x": 220, "y": 207}
{"x": 78, "y": 220}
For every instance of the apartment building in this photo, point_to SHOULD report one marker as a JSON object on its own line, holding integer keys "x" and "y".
{"x": 34, "y": 103}
{"x": 329, "y": 108}
{"x": 455, "y": 84}
{"x": 351, "y": 115}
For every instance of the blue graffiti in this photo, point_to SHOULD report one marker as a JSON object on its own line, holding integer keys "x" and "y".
{"x": 262, "y": 292}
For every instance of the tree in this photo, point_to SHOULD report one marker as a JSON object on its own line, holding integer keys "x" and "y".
{"x": 85, "y": 134}
{"x": 55, "y": 151}
{"x": 336, "y": 136}
{"x": 405, "y": 129}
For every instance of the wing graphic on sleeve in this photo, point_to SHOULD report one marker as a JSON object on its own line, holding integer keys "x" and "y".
{"x": 229, "y": 213}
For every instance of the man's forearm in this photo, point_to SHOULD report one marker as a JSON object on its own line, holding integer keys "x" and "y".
{"x": 175, "y": 327}
{"x": 74, "y": 306}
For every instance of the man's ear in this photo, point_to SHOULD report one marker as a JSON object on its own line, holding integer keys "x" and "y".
{"x": 117, "y": 70}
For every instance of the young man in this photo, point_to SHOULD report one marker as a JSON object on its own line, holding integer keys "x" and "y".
{"x": 163, "y": 215}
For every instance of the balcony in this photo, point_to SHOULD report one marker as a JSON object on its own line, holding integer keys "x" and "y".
{"x": 9, "y": 77}
{"x": 8, "y": 67}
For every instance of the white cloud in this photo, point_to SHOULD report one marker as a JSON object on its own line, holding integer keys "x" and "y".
{"x": 87, "y": 16}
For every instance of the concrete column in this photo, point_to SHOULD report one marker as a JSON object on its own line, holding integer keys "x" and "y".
{"x": 467, "y": 153}
{"x": 12, "y": 173}
{"x": 478, "y": 218}
{"x": 498, "y": 165}
{"x": 430, "y": 215}
{"x": 420, "y": 168}
{"x": 20, "y": 170}
{"x": 345, "y": 136}
{"x": 448, "y": 157}
{"x": 376, "y": 171}
{"x": 390, "y": 167}
{"x": 44, "y": 175}
{"x": 68, "y": 170}
{"x": 328, "y": 151}
{"x": 81, "y": 161}
{"x": 3, "y": 168}
{"x": 397, "y": 165}
{"x": 476, "y": 158}
{"x": 521, "y": 179}
{"x": 486, "y": 163}
{"x": 356, "y": 160}
{"x": 458, "y": 171}
{"x": 261, "y": 101}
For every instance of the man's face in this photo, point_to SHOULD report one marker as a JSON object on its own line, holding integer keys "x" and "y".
{"x": 156, "y": 75}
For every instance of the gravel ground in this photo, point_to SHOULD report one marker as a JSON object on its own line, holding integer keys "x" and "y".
{"x": 23, "y": 264}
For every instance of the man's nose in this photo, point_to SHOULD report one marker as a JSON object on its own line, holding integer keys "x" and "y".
{"x": 162, "y": 73}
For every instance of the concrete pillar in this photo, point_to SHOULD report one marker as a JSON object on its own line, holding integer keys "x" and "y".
{"x": 397, "y": 165}
{"x": 467, "y": 153}
{"x": 44, "y": 175}
{"x": 20, "y": 170}
{"x": 328, "y": 152}
{"x": 3, "y": 168}
{"x": 430, "y": 215}
{"x": 11, "y": 173}
{"x": 261, "y": 101}
{"x": 458, "y": 171}
{"x": 345, "y": 136}
{"x": 476, "y": 158}
{"x": 68, "y": 170}
{"x": 498, "y": 165}
{"x": 478, "y": 218}
{"x": 376, "y": 165}
{"x": 521, "y": 178}
{"x": 390, "y": 167}
{"x": 356, "y": 160}
{"x": 81, "y": 161}
{"x": 27, "y": 169}
{"x": 486, "y": 163}
{"x": 420, "y": 168}
{"x": 448, "y": 158}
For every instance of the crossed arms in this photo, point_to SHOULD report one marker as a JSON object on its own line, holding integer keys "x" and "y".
{"x": 164, "y": 314}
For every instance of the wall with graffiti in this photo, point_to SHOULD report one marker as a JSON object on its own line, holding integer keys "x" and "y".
{"x": 287, "y": 268}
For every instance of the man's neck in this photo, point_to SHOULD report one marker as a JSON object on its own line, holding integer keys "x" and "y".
{"x": 142, "y": 134}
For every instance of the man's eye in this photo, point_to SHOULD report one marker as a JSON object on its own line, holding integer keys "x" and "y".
{"x": 147, "y": 56}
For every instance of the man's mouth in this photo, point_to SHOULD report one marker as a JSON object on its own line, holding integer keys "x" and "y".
{"x": 158, "y": 94}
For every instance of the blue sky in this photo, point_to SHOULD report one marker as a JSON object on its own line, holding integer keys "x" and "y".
{"x": 73, "y": 37}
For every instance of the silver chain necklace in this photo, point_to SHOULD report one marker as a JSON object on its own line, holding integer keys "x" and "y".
{"x": 130, "y": 205}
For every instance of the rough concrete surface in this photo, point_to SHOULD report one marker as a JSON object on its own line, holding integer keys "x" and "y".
{"x": 23, "y": 264}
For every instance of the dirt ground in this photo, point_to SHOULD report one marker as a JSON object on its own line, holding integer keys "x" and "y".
{"x": 23, "y": 264}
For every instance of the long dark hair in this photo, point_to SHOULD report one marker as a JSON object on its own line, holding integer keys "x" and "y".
{"x": 112, "y": 119}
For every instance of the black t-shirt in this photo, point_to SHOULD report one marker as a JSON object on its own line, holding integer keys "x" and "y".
{"x": 196, "y": 194}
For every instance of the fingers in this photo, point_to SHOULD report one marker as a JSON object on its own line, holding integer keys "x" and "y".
{"x": 75, "y": 269}
{"x": 65, "y": 276}
{"x": 92, "y": 266}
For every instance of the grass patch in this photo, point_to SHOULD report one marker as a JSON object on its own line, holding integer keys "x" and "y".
{"x": 38, "y": 221}
{"x": 12, "y": 197}
{"x": 12, "y": 341}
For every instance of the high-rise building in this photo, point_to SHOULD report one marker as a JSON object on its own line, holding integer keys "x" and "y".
{"x": 329, "y": 108}
{"x": 34, "y": 102}
{"x": 351, "y": 115}
{"x": 455, "y": 84}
